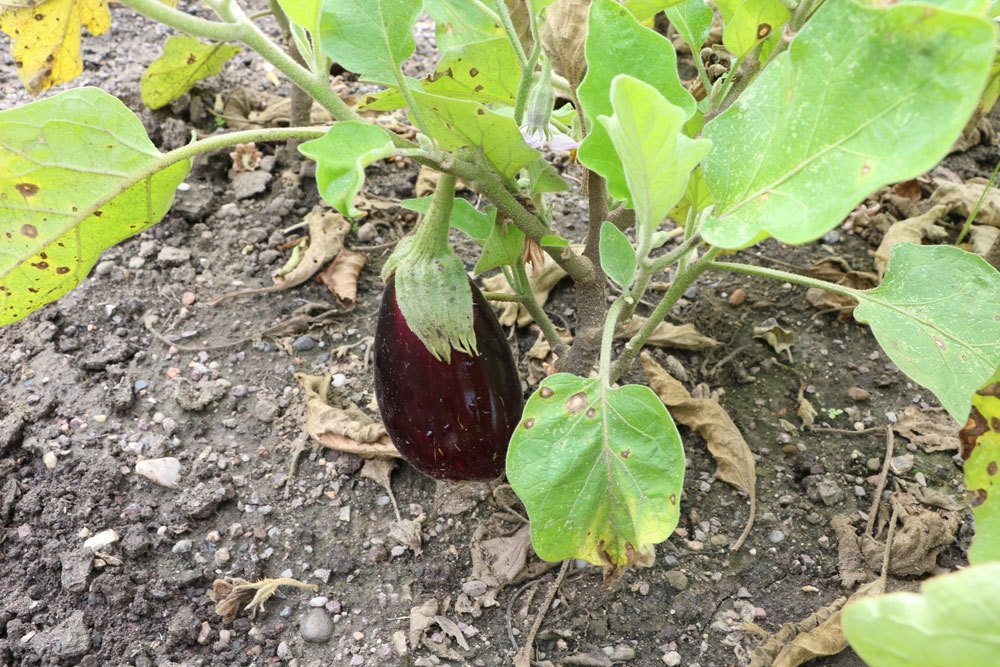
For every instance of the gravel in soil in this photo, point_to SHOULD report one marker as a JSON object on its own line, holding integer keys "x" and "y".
{"x": 186, "y": 454}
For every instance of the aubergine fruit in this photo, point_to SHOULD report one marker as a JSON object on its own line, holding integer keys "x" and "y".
{"x": 450, "y": 419}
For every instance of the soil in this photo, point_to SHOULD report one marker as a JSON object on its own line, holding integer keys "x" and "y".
{"x": 86, "y": 390}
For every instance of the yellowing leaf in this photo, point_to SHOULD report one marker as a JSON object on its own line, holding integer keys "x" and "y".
{"x": 46, "y": 38}
{"x": 184, "y": 61}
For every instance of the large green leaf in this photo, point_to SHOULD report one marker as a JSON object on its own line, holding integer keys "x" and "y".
{"x": 369, "y": 37}
{"x": 341, "y": 156}
{"x": 656, "y": 157}
{"x": 503, "y": 247}
{"x": 184, "y": 61}
{"x": 75, "y": 178}
{"x": 484, "y": 71}
{"x": 458, "y": 123}
{"x": 618, "y": 44}
{"x": 863, "y": 97}
{"x": 460, "y": 22}
{"x": 747, "y": 22}
{"x": 955, "y": 622}
{"x": 693, "y": 21}
{"x": 981, "y": 450}
{"x": 643, "y": 10}
{"x": 600, "y": 472}
{"x": 937, "y": 315}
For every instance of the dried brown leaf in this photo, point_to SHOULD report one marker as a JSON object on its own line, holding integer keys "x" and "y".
{"x": 407, "y": 533}
{"x": 707, "y": 418}
{"x": 422, "y": 618}
{"x": 231, "y": 594}
{"x": 806, "y": 412}
{"x": 775, "y": 335}
{"x": 676, "y": 336}
{"x": 961, "y": 199}
{"x": 327, "y": 230}
{"x": 497, "y": 561}
{"x": 911, "y": 230}
{"x": 909, "y": 189}
{"x": 343, "y": 429}
{"x": 451, "y": 629}
{"x": 246, "y": 157}
{"x": 248, "y": 109}
{"x": 341, "y": 277}
{"x": 563, "y": 35}
{"x": 427, "y": 180}
{"x": 933, "y": 430}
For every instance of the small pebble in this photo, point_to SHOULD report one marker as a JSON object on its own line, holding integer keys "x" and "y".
{"x": 182, "y": 547}
{"x": 101, "y": 540}
{"x": 163, "y": 472}
{"x": 738, "y": 296}
{"x": 776, "y": 536}
{"x": 187, "y": 298}
{"x": 303, "y": 344}
{"x": 50, "y": 460}
{"x": 672, "y": 658}
{"x": 319, "y": 601}
{"x": 316, "y": 626}
{"x": 900, "y": 465}
{"x": 339, "y": 379}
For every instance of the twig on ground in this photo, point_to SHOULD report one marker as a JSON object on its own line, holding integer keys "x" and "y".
{"x": 880, "y": 487}
{"x": 523, "y": 657}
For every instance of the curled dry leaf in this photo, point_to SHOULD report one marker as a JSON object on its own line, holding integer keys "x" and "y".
{"x": 540, "y": 359}
{"x": 407, "y": 533}
{"x": 775, "y": 335}
{"x": 231, "y": 594}
{"x": 836, "y": 270}
{"x": 933, "y": 430}
{"x": 497, "y": 561}
{"x": 422, "y": 618}
{"x": 327, "y": 230}
{"x": 676, "y": 336}
{"x": 703, "y": 414}
{"x": 961, "y": 199}
{"x": 248, "y": 109}
{"x": 806, "y": 412}
{"x": 341, "y": 277}
{"x": 427, "y": 180}
{"x": 541, "y": 282}
{"x": 343, "y": 429}
{"x": 911, "y": 230}
{"x": 451, "y": 629}
{"x": 563, "y": 35}
{"x": 246, "y": 157}
{"x": 815, "y": 636}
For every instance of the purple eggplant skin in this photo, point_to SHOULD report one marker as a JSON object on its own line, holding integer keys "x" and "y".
{"x": 451, "y": 421}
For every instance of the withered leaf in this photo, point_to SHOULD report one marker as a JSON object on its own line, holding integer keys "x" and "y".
{"x": 676, "y": 336}
{"x": 541, "y": 282}
{"x": 563, "y": 35}
{"x": 933, "y": 430}
{"x": 327, "y": 230}
{"x": 343, "y": 429}
{"x": 230, "y": 594}
{"x": 775, "y": 335}
{"x": 703, "y": 414}
{"x": 911, "y": 230}
{"x": 341, "y": 276}
{"x": 497, "y": 561}
{"x": 248, "y": 109}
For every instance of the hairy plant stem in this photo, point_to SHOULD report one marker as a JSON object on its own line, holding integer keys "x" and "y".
{"x": 590, "y": 295}
{"x": 301, "y": 101}
{"x": 431, "y": 238}
{"x": 683, "y": 280}
{"x": 527, "y": 298}
{"x": 528, "y": 70}
{"x": 508, "y": 27}
{"x": 650, "y": 267}
{"x": 607, "y": 341}
{"x": 785, "y": 276}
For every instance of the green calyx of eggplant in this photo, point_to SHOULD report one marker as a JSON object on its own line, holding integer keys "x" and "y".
{"x": 432, "y": 287}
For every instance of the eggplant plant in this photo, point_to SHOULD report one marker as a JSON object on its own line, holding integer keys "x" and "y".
{"x": 811, "y": 106}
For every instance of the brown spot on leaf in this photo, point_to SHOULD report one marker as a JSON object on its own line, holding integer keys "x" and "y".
{"x": 27, "y": 189}
{"x": 473, "y": 72}
{"x": 529, "y": 422}
{"x": 546, "y": 392}
{"x": 763, "y": 30}
{"x": 979, "y": 497}
{"x": 991, "y": 468}
{"x": 941, "y": 345}
{"x": 98, "y": 214}
{"x": 480, "y": 112}
{"x": 974, "y": 427}
{"x": 576, "y": 402}
{"x": 62, "y": 270}
{"x": 625, "y": 453}
{"x": 192, "y": 59}
{"x": 591, "y": 413}
{"x": 673, "y": 498}
{"x": 29, "y": 230}
{"x": 866, "y": 169}
{"x": 41, "y": 265}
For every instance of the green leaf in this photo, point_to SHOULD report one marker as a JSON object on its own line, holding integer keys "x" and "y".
{"x": 464, "y": 217}
{"x": 458, "y": 123}
{"x": 792, "y": 158}
{"x": 747, "y": 22}
{"x": 617, "y": 255}
{"x": 184, "y": 62}
{"x": 460, "y": 22}
{"x": 693, "y": 21}
{"x": 485, "y": 71}
{"x": 545, "y": 178}
{"x": 600, "y": 473}
{"x": 656, "y": 157}
{"x": 551, "y": 241}
{"x": 304, "y": 12}
{"x": 504, "y": 247}
{"x": 696, "y": 194}
{"x": 954, "y": 622}
{"x": 371, "y": 38}
{"x": 66, "y": 164}
{"x": 643, "y": 10}
{"x": 341, "y": 156}
{"x": 981, "y": 451}
{"x": 937, "y": 315}
{"x": 618, "y": 44}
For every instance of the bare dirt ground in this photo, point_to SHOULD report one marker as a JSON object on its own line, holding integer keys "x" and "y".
{"x": 86, "y": 390}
